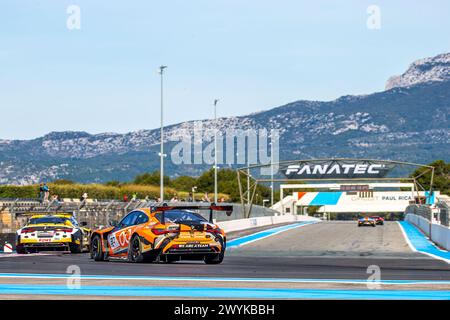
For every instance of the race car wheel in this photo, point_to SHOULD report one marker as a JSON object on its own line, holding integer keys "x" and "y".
{"x": 217, "y": 258}
{"x": 76, "y": 248}
{"x": 21, "y": 250}
{"x": 96, "y": 249}
{"x": 134, "y": 251}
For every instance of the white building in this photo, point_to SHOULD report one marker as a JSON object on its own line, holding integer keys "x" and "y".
{"x": 371, "y": 198}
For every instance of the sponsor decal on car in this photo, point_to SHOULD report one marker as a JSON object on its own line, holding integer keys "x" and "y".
{"x": 112, "y": 240}
{"x": 193, "y": 246}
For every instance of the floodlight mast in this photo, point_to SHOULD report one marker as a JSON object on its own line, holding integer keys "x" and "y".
{"x": 215, "y": 151}
{"x": 161, "y": 153}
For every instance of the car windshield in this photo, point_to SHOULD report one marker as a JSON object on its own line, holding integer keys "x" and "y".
{"x": 177, "y": 216}
{"x": 44, "y": 220}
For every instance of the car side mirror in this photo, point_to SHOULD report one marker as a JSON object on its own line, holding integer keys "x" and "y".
{"x": 229, "y": 213}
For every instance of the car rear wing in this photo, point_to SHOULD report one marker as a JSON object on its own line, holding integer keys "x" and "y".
{"x": 211, "y": 207}
{"x": 29, "y": 214}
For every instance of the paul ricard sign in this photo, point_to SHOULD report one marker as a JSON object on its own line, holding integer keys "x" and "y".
{"x": 397, "y": 197}
{"x": 337, "y": 169}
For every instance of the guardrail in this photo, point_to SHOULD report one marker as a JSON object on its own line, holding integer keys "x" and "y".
{"x": 444, "y": 207}
{"x": 419, "y": 210}
{"x": 437, "y": 233}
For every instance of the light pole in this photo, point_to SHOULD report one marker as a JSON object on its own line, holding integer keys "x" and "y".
{"x": 271, "y": 173}
{"x": 215, "y": 150}
{"x": 161, "y": 154}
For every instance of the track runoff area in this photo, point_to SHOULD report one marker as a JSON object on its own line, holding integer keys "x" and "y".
{"x": 302, "y": 260}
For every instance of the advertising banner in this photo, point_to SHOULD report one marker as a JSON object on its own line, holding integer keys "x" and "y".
{"x": 337, "y": 169}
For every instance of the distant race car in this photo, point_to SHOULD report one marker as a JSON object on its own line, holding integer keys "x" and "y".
{"x": 378, "y": 220}
{"x": 163, "y": 233}
{"x": 366, "y": 221}
{"x": 45, "y": 232}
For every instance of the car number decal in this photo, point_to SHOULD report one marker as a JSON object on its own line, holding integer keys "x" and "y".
{"x": 113, "y": 243}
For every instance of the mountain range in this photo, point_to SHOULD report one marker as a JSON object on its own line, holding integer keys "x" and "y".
{"x": 409, "y": 121}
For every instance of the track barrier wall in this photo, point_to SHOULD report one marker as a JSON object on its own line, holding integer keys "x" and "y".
{"x": 439, "y": 234}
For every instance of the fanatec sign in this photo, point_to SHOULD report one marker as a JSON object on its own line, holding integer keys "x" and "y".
{"x": 335, "y": 169}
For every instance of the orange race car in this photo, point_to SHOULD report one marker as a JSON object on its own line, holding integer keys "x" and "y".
{"x": 163, "y": 233}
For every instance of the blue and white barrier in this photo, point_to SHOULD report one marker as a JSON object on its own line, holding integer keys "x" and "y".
{"x": 439, "y": 234}
{"x": 7, "y": 248}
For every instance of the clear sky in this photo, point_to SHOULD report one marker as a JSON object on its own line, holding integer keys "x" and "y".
{"x": 252, "y": 54}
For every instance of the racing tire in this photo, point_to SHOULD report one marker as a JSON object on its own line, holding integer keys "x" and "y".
{"x": 21, "y": 250}
{"x": 96, "y": 249}
{"x": 135, "y": 254}
{"x": 76, "y": 248}
{"x": 217, "y": 258}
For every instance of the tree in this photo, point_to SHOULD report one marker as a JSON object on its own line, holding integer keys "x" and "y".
{"x": 152, "y": 178}
{"x": 441, "y": 180}
{"x": 183, "y": 183}
{"x": 113, "y": 183}
{"x": 228, "y": 183}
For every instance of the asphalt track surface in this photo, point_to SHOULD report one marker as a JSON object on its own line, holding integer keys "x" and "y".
{"x": 334, "y": 239}
{"x": 327, "y": 250}
{"x": 326, "y": 260}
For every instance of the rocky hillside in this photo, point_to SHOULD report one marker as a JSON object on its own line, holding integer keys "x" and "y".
{"x": 422, "y": 71}
{"x": 409, "y": 122}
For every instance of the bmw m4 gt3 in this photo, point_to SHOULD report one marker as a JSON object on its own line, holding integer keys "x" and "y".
{"x": 45, "y": 232}
{"x": 164, "y": 233}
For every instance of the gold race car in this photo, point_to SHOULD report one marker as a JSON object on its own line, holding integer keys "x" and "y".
{"x": 163, "y": 233}
{"x": 366, "y": 221}
{"x": 45, "y": 232}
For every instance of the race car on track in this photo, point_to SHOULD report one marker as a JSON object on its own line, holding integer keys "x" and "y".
{"x": 378, "y": 220}
{"x": 45, "y": 232}
{"x": 163, "y": 233}
{"x": 366, "y": 221}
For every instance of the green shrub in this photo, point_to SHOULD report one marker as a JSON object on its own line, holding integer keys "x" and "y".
{"x": 95, "y": 191}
